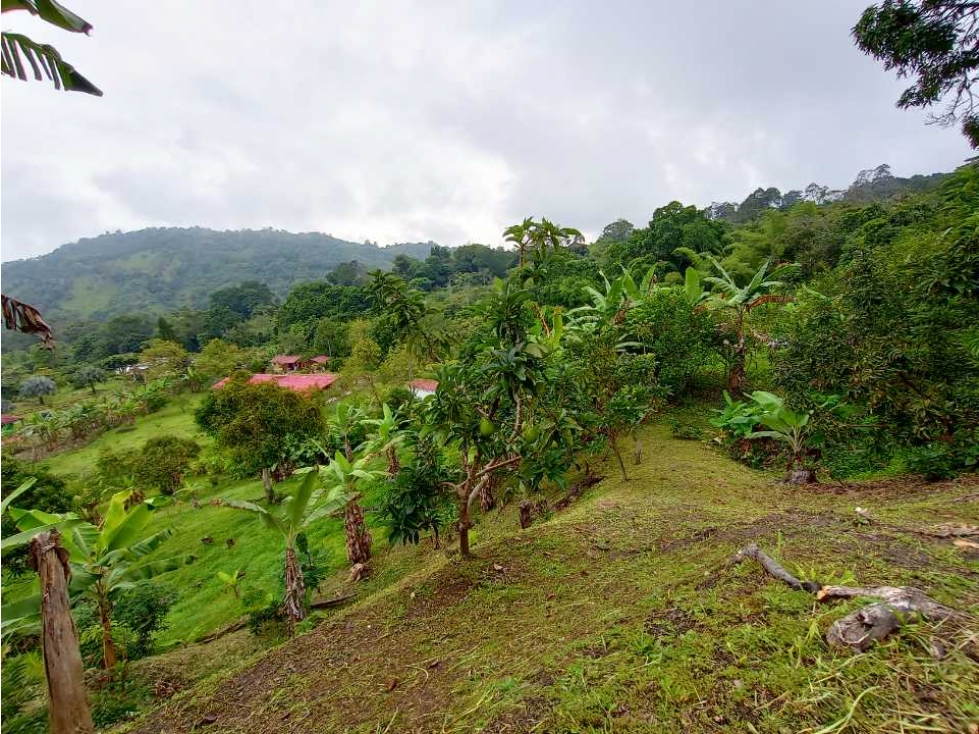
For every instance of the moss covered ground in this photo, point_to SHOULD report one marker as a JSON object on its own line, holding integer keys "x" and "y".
{"x": 618, "y": 614}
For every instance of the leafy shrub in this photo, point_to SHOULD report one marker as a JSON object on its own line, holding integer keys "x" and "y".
{"x": 37, "y": 386}
{"x": 143, "y": 609}
{"x": 414, "y": 501}
{"x": 164, "y": 460}
{"x": 117, "y": 701}
{"x": 48, "y": 494}
{"x": 266, "y": 619}
{"x": 678, "y": 335}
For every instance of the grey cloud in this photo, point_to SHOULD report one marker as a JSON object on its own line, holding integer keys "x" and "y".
{"x": 406, "y": 120}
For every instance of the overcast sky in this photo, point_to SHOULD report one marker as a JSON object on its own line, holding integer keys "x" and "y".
{"x": 401, "y": 121}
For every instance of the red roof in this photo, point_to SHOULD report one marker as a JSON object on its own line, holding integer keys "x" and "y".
{"x": 426, "y": 385}
{"x": 299, "y": 383}
{"x": 7, "y": 418}
{"x": 286, "y": 359}
{"x": 320, "y": 359}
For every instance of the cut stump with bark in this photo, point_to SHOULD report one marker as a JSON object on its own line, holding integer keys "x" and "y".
{"x": 69, "y": 712}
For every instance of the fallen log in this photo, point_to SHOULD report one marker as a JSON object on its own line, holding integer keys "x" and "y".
{"x": 327, "y": 603}
{"x": 860, "y": 629}
{"x": 904, "y": 599}
{"x": 773, "y": 569}
{"x": 226, "y": 630}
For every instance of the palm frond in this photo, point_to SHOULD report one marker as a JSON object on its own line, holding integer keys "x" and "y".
{"x": 41, "y": 57}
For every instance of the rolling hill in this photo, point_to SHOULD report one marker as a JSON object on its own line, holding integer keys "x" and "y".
{"x": 165, "y": 269}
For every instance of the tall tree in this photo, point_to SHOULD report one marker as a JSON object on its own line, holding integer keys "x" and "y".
{"x": 936, "y": 44}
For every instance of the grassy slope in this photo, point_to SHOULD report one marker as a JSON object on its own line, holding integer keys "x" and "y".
{"x": 619, "y": 614}
{"x": 176, "y": 418}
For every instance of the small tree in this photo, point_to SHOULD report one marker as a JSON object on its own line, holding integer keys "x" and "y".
{"x": 298, "y": 512}
{"x": 163, "y": 462}
{"x": 37, "y": 386}
{"x": 218, "y": 359}
{"x": 88, "y": 376}
{"x": 256, "y": 424}
{"x": 163, "y": 359}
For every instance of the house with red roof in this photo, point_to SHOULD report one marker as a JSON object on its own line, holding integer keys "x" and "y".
{"x": 423, "y": 388}
{"x": 319, "y": 362}
{"x": 295, "y": 382}
{"x": 8, "y": 421}
{"x": 286, "y": 363}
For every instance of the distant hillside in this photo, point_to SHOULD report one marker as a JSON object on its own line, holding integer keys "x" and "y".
{"x": 164, "y": 269}
{"x": 870, "y": 185}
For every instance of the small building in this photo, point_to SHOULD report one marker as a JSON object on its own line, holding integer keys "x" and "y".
{"x": 286, "y": 363}
{"x": 318, "y": 363}
{"x": 423, "y": 388}
{"x": 295, "y": 382}
{"x": 8, "y": 421}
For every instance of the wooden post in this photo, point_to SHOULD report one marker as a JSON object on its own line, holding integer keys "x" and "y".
{"x": 69, "y": 713}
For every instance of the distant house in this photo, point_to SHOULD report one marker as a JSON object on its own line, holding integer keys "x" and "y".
{"x": 286, "y": 363}
{"x": 319, "y": 362}
{"x": 7, "y": 421}
{"x": 298, "y": 383}
{"x": 423, "y": 388}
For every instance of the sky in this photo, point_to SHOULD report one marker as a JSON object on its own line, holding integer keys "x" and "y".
{"x": 401, "y": 121}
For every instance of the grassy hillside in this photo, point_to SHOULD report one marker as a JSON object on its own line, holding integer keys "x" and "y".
{"x": 156, "y": 270}
{"x": 621, "y": 613}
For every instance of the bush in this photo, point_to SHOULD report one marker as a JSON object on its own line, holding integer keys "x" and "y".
{"x": 164, "y": 460}
{"x": 143, "y": 609}
{"x": 48, "y": 494}
{"x": 676, "y": 334}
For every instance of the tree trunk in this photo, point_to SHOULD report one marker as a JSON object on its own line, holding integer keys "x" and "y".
{"x": 358, "y": 536}
{"x": 294, "y": 603}
{"x": 635, "y": 437}
{"x": 394, "y": 466}
{"x": 40, "y": 399}
{"x": 268, "y": 486}
{"x": 736, "y": 378}
{"x": 486, "y": 499}
{"x": 614, "y": 444}
{"x": 526, "y": 514}
{"x": 464, "y": 524}
{"x": 69, "y": 712}
{"x": 109, "y": 657}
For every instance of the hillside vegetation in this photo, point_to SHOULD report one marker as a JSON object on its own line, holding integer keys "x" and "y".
{"x": 620, "y": 614}
{"x": 166, "y": 269}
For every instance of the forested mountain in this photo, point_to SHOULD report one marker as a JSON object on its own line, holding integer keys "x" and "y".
{"x": 165, "y": 269}
{"x": 870, "y": 185}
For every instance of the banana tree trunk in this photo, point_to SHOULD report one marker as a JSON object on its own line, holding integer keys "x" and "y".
{"x": 109, "y": 656}
{"x": 294, "y": 603}
{"x": 394, "y": 465}
{"x": 358, "y": 536}
{"x": 736, "y": 378}
{"x": 68, "y": 704}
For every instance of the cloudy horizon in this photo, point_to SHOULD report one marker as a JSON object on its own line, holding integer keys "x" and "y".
{"x": 404, "y": 121}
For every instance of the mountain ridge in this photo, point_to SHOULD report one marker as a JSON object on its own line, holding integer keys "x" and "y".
{"x": 164, "y": 269}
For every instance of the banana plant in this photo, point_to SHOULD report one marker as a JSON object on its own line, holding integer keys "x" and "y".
{"x": 387, "y": 437}
{"x": 741, "y": 300}
{"x": 105, "y": 560}
{"x": 296, "y": 513}
{"x": 344, "y": 478}
{"x": 784, "y": 425}
{"x": 40, "y": 56}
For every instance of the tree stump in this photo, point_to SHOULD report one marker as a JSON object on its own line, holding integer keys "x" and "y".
{"x": 69, "y": 712}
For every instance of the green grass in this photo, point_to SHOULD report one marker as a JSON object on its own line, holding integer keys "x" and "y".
{"x": 621, "y": 613}
{"x": 176, "y": 418}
